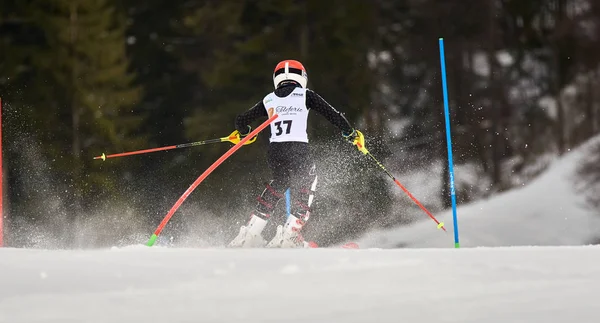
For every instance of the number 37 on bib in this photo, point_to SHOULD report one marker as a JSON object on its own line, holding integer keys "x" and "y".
{"x": 293, "y": 116}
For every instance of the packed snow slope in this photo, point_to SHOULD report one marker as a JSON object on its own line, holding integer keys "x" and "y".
{"x": 548, "y": 211}
{"x": 142, "y": 284}
{"x": 537, "y": 271}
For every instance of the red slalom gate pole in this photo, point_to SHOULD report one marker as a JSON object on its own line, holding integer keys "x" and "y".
{"x": 207, "y": 172}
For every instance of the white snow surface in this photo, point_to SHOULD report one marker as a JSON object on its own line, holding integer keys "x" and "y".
{"x": 142, "y": 284}
{"x": 526, "y": 260}
{"x": 548, "y": 211}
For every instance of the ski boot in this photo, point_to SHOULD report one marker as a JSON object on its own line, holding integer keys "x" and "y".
{"x": 288, "y": 235}
{"x": 250, "y": 234}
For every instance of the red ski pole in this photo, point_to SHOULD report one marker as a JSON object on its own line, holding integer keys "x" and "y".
{"x": 439, "y": 225}
{"x": 234, "y": 138}
{"x": 204, "y": 175}
{"x": 364, "y": 150}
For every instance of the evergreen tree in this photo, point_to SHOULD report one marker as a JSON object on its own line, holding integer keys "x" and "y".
{"x": 87, "y": 86}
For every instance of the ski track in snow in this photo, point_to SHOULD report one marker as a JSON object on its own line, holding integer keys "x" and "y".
{"x": 141, "y": 284}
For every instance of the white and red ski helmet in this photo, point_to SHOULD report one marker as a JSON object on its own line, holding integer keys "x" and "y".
{"x": 290, "y": 70}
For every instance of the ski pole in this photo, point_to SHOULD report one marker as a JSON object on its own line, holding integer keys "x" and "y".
{"x": 204, "y": 175}
{"x": 366, "y": 152}
{"x": 234, "y": 138}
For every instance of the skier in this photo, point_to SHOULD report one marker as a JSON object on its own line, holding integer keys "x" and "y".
{"x": 288, "y": 155}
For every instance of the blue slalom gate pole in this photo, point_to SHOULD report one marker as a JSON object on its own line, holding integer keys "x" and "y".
{"x": 287, "y": 203}
{"x": 449, "y": 142}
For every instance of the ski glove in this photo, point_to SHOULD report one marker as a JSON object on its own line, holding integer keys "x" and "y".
{"x": 357, "y": 139}
{"x": 236, "y": 137}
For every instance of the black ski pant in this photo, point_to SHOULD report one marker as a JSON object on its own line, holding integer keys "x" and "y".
{"x": 292, "y": 167}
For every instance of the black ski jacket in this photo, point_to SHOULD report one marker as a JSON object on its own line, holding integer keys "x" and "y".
{"x": 313, "y": 102}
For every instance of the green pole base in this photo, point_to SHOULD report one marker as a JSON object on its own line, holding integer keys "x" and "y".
{"x": 152, "y": 240}
{"x": 457, "y": 245}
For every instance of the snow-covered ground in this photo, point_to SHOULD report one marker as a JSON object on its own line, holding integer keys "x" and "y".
{"x": 141, "y": 284}
{"x": 549, "y": 211}
{"x": 524, "y": 259}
